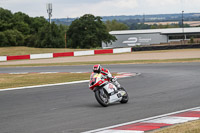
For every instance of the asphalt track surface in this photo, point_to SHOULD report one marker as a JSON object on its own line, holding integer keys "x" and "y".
{"x": 160, "y": 89}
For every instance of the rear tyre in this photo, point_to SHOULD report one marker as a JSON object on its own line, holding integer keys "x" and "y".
{"x": 102, "y": 99}
{"x": 125, "y": 98}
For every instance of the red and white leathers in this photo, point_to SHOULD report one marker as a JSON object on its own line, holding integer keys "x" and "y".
{"x": 107, "y": 74}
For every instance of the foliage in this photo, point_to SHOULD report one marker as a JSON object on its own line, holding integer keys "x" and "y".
{"x": 3, "y": 39}
{"x": 160, "y": 26}
{"x": 11, "y": 38}
{"x": 51, "y": 36}
{"x": 88, "y": 32}
{"x": 5, "y": 15}
{"x": 19, "y": 29}
{"x": 137, "y": 24}
{"x": 114, "y": 25}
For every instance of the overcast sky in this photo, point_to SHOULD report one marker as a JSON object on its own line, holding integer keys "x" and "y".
{"x": 77, "y": 8}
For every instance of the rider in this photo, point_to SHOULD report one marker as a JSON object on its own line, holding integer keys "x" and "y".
{"x": 99, "y": 69}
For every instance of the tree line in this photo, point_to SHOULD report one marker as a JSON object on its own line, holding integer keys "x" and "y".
{"x": 88, "y": 31}
{"x": 137, "y": 24}
{"x": 19, "y": 29}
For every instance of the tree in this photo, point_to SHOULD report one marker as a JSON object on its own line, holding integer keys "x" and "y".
{"x": 19, "y": 29}
{"x": 5, "y": 15}
{"x": 138, "y": 26}
{"x": 3, "y": 39}
{"x": 22, "y": 27}
{"x": 5, "y": 19}
{"x": 14, "y": 38}
{"x": 50, "y": 36}
{"x": 114, "y": 25}
{"x": 36, "y": 24}
{"x": 88, "y": 32}
{"x": 30, "y": 40}
{"x": 5, "y": 25}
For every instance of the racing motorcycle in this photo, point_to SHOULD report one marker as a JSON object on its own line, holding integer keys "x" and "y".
{"x": 105, "y": 91}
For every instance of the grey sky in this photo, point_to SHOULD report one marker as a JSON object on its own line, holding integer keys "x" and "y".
{"x": 77, "y": 8}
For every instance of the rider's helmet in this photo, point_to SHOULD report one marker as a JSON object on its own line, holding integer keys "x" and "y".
{"x": 97, "y": 68}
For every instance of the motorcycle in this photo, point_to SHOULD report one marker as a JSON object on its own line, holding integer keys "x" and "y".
{"x": 105, "y": 91}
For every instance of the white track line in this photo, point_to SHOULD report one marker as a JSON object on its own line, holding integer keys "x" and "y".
{"x": 46, "y": 85}
{"x": 48, "y": 72}
{"x": 146, "y": 119}
{"x": 37, "y": 86}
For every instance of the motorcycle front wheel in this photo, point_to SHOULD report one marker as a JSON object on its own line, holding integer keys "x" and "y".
{"x": 102, "y": 98}
{"x": 125, "y": 97}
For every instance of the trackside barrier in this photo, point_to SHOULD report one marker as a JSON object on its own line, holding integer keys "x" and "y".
{"x": 81, "y": 53}
{"x": 3, "y": 58}
{"x": 122, "y": 50}
{"x": 40, "y": 56}
{"x": 150, "y": 48}
{"x": 18, "y": 57}
{"x": 63, "y": 54}
{"x": 76, "y": 53}
{"x": 105, "y": 51}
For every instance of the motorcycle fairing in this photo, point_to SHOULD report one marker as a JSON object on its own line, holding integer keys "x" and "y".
{"x": 96, "y": 80}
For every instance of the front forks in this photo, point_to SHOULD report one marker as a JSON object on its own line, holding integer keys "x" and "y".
{"x": 102, "y": 92}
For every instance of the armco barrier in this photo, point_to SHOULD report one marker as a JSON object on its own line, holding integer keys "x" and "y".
{"x": 122, "y": 50}
{"x": 40, "y": 56}
{"x": 3, "y": 58}
{"x": 18, "y": 57}
{"x": 105, "y": 51}
{"x": 81, "y": 53}
{"x": 76, "y": 53}
{"x": 63, "y": 54}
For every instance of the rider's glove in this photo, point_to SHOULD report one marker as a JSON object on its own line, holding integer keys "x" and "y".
{"x": 109, "y": 76}
{"x": 113, "y": 79}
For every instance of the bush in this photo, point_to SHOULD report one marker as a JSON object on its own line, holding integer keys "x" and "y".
{"x": 19, "y": 29}
{"x": 3, "y": 40}
{"x": 13, "y": 38}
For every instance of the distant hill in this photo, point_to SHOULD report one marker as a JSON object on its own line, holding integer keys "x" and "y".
{"x": 140, "y": 18}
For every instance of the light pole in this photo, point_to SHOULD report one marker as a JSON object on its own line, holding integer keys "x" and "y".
{"x": 49, "y": 10}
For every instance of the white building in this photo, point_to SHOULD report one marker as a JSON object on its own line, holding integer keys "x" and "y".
{"x": 129, "y": 38}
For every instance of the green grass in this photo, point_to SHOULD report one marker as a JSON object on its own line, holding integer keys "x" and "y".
{"x": 21, "y": 80}
{"x": 30, "y": 79}
{"x": 109, "y": 62}
{"x": 9, "y": 51}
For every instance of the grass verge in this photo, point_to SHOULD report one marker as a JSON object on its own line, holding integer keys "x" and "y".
{"x": 9, "y": 51}
{"x": 30, "y": 79}
{"x": 109, "y": 62}
{"x": 189, "y": 127}
{"x": 21, "y": 80}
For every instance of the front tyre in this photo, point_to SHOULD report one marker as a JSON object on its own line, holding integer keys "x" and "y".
{"x": 125, "y": 97}
{"x": 102, "y": 98}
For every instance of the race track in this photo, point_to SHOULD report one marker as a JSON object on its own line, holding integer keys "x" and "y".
{"x": 160, "y": 89}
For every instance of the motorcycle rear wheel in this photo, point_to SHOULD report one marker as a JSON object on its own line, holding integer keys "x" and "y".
{"x": 102, "y": 99}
